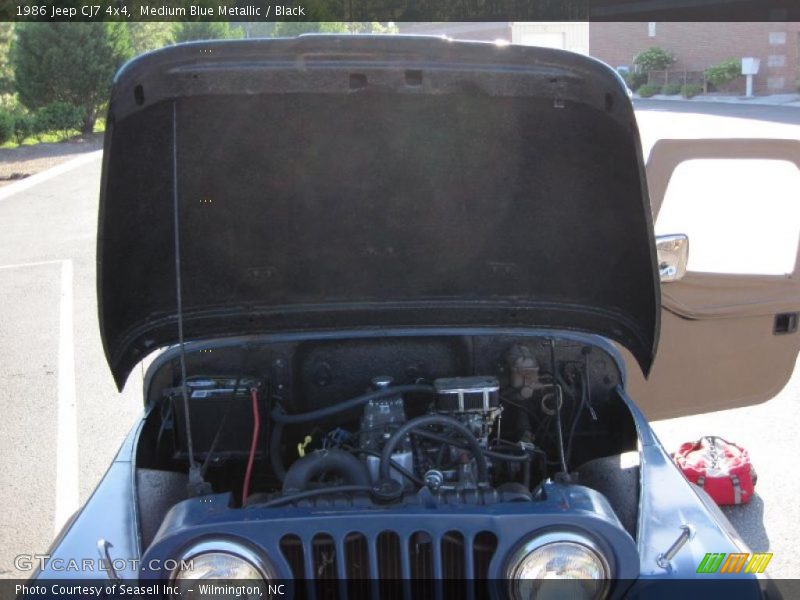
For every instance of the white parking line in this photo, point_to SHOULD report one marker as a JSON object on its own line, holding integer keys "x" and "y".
{"x": 32, "y": 264}
{"x": 67, "y": 424}
{"x": 67, "y": 432}
{"x": 29, "y": 182}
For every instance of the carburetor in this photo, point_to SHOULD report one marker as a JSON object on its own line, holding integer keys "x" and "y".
{"x": 475, "y": 401}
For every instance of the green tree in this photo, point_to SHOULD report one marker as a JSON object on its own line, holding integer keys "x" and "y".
{"x": 293, "y": 28}
{"x": 69, "y": 62}
{"x": 6, "y": 72}
{"x": 654, "y": 59}
{"x": 146, "y": 36}
{"x": 204, "y": 30}
{"x": 6, "y": 126}
{"x": 259, "y": 29}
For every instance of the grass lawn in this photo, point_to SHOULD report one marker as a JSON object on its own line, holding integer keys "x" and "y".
{"x": 52, "y": 138}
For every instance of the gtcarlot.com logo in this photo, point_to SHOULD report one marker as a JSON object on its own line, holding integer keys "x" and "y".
{"x": 742, "y": 562}
{"x": 28, "y": 562}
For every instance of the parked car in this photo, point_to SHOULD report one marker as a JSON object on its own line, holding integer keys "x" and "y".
{"x": 404, "y": 285}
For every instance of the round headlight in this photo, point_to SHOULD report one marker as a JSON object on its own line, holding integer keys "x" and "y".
{"x": 558, "y": 565}
{"x": 231, "y": 567}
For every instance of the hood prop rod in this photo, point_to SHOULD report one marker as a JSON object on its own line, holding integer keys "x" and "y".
{"x": 197, "y": 485}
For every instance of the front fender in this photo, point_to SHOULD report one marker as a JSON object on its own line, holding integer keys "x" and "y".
{"x": 109, "y": 514}
{"x": 668, "y": 501}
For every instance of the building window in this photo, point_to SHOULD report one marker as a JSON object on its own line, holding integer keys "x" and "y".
{"x": 651, "y": 29}
{"x": 777, "y": 38}
{"x": 776, "y": 60}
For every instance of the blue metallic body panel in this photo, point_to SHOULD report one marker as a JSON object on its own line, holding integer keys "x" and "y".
{"x": 667, "y": 502}
{"x": 565, "y": 507}
{"x": 110, "y": 514}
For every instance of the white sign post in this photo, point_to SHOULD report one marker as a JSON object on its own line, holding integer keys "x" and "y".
{"x": 750, "y": 67}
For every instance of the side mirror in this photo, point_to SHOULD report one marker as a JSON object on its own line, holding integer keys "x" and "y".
{"x": 673, "y": 254}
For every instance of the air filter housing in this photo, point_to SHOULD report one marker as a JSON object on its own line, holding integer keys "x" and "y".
{"x": 467, "y": 394}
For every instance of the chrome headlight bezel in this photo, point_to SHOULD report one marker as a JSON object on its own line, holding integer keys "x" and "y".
{"x": 537, "y": 541}
{"x": 226, "y": 546}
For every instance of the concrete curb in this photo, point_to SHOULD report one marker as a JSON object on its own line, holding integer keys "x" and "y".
{"x": 778, "y": 100}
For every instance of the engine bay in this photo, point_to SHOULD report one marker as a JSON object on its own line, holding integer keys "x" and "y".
{"x": 368, "y": 422}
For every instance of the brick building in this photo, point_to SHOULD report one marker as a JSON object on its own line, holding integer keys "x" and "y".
{"x": 566, "y": 35}
{"x": 697, "y": 46}
{"x": 700, "y": 45}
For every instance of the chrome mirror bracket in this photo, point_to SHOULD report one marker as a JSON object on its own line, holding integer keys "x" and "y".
{"x": 673, "y": 255}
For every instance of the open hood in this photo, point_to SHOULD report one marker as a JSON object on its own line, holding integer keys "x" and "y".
{"x": 329, "y": 183}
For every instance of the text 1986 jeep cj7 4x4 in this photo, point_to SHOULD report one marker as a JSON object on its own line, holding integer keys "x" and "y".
{"x": 399, "y": 280}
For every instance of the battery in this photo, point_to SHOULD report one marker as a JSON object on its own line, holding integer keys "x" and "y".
{"x": 210, "y": 398}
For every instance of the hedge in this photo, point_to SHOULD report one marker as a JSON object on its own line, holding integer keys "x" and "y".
{"x": 690, "y": 90}
{"x": 648, "y": 90}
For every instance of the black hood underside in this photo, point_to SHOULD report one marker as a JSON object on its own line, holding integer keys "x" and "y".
{"x": 325, "y": 183}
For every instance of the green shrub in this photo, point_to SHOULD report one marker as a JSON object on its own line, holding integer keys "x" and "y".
{"x": 648, "y": 90}
{"x": 23, "y": 126}
{"x": 6, "y": 126}
{"x": 60, "y": 118}
{"x": 723, "y": 73}
{"x": 634, "y": 79}
{"x": 654, "y": 59}
{"x": 671, "y": 89}
{"x": 690, "y": 90}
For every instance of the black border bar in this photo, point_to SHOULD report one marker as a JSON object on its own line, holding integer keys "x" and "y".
{"x": 400, "y": 10}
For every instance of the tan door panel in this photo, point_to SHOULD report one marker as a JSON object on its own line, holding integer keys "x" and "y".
{"x": 715, "y": 295}
{"x": 708, "y": 365}
{"x": 719, "y": 347}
